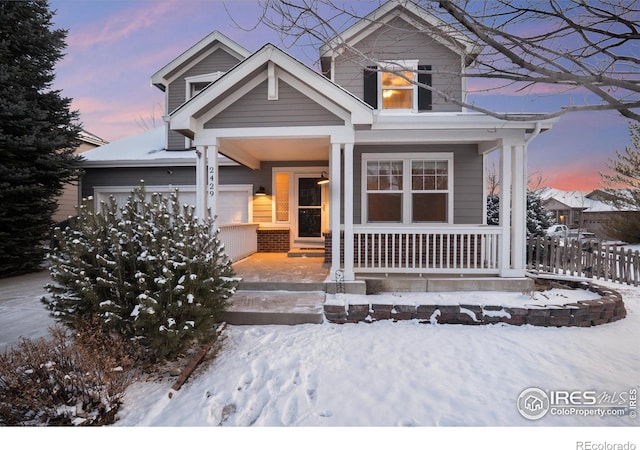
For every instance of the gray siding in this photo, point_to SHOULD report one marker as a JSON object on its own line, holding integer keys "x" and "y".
{"x": 400, "y": 40}
{"x": 219, "y": 60}
{"x": 292, "y": 108}
{"x": 467, "y": 178}
{"x": 131, "y": 176}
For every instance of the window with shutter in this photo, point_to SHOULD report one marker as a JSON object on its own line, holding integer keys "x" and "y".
{"x": 393, "y": 87}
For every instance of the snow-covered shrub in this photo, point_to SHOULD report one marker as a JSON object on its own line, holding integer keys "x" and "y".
{"x": 150, "y": 270}
{"x": 77, "y": 379}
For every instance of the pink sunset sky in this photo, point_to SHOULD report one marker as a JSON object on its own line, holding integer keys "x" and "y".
{"x": 114, "y": 46}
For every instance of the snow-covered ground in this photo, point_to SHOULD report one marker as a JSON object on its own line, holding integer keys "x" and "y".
{"x": 397, "y": 374}
{"x": 301, "y": 385}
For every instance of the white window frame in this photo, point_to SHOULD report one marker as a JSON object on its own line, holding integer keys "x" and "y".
{"x": 407, "y": 190}
{"x": 398, "y": 65}
{"x": 206, "y": 78}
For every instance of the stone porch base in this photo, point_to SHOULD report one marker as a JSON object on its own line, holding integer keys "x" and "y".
{"x": 609, "y": 308}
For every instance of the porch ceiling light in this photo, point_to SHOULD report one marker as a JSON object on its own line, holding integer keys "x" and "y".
{"x": 323, "y": 178}
{"x": 261, "y": 191}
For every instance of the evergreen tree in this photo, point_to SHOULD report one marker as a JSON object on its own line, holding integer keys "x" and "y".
{"x": 38, "y": 133}
{"x": 538, "y": 218}
{"x": 149, "y": 270}
{"x": 623, "y": 189}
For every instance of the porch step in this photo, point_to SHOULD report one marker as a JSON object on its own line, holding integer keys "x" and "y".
{"x": 275, "y": 308}
{"x": 399, "y": 283}
{"x": 306, "y": 253}
{"x": 292, "y": 286}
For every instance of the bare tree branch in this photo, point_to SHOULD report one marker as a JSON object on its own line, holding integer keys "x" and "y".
{"x": 571, "y": 44}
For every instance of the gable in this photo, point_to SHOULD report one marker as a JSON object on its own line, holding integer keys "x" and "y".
{"x": 218, "y": 61}
{"x": 401, "y": 40}
{"x": 292, "y": 108}
{"x": 310, "y": 93}
{"x": 194, "y": 55}
{"x": 411, "y": 13}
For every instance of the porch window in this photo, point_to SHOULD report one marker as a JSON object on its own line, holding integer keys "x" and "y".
{"x": 414, "y": 189}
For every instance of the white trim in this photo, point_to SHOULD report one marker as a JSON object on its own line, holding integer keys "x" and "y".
{"x": 224, "y": 43}
{"x": 272, "y": 81}
{"x": 294, "y": 174}
{"x": 205, "y": 78}
{"x": 182, "y": 117}
{"x": 406, "y": 191}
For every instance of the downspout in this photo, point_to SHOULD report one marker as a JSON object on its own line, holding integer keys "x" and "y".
{"x": 536, "y": 132}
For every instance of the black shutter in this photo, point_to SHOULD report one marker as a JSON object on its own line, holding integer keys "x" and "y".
{"x": 371, "y": 86}
{"x": 424, "y": 95}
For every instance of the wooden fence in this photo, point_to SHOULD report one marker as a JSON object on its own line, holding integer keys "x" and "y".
{"x": 590, "y": 259}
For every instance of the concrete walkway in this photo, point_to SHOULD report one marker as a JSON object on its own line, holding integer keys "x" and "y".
{"x": 22, "y": 314}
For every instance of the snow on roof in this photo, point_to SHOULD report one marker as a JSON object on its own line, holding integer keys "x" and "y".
{"x": 576, "y": 200}
{"x": 142, "y": 150}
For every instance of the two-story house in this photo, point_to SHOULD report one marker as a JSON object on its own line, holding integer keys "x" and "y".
{"x": 358, "y": 160}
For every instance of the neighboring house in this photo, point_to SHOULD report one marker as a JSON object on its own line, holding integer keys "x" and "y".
{"x": 249, "y": 136}
{"x": 70, "y": 197}
{"x": 580, "y": 210}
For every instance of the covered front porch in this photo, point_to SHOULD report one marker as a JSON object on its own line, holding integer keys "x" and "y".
{"x": 279, "y": 272}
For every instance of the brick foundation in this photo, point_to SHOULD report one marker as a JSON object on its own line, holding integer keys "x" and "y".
{"x": 609, "y": 308}
{"x": 273, "y": 240}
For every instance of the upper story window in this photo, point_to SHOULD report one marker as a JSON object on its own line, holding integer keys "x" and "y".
{"x": 392, "y": 86}
{"x": 197, "y": 83}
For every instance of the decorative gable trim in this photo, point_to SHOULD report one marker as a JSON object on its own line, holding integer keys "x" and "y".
{"x": 162, "y": 77}
{"x": 254, "y": 70}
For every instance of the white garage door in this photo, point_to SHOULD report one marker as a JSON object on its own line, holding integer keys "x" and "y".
{"x": 234, "y": 201}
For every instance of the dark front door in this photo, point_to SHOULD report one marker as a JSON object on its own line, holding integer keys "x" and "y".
{"x": 309, "y": 208}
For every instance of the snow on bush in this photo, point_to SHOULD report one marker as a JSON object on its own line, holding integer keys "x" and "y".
{"x": 151, "y": 270}
{"x": 71, "y": 379}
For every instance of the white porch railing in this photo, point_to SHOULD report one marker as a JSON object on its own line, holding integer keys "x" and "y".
{"x": 452, "y": 249}
{"x": 240, "y": 239}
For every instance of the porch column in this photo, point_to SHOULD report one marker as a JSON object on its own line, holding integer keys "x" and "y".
{"x": 334, "y": 205}
{"x": 201, "y": 181}
{"x": 348, "y": 213}
{"x": 505, "y": 211}
{"x": 207, "y": 181}
{"x": 518, "y": 209}
{"x": 212, "y": 180}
